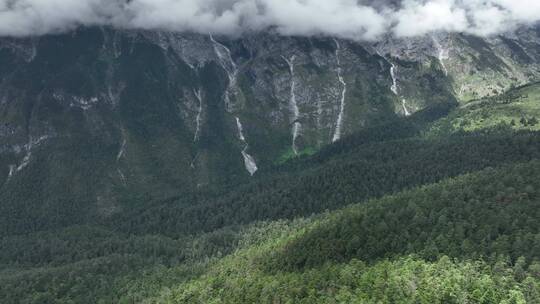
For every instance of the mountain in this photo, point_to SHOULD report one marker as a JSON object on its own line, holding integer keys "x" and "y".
{"x": 100, "y": 118}
{"x": 149, "y": 167}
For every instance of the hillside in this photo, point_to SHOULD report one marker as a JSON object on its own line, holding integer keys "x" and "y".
{"x": 135, "y": 255}
{"x": 457, "y": 241}
{"x": 516, "y": 109}
{"x": 141, "y": 166}
{"x": 470, "y": 238}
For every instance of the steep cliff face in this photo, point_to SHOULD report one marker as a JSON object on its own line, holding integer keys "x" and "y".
{"x": 474, "y": 67}
{"x": 105, "y": 118}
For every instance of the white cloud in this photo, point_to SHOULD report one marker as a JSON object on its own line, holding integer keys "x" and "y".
{"x": 345, "y": 18}
{"x": 420, "y": 18}
{"x": 339, "y": 18}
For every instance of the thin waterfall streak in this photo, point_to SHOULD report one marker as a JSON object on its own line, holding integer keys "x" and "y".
{"x": 293, "y": 106}
{"x": 394, "y": 88}
{"x": 249, "y": 161}
{"x": 10, "y": 173}
{"x": 198, "y": 119}
{"x": 442, "y": 54}
{"x": 119, "y": 156}
{"x": 229, "y": 66}
{"x": 339, "y": 122}
{"x": 404, "y": 105}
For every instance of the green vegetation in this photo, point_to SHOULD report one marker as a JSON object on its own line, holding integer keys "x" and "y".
{"x": 489, "y": 213}
{"x": 441, "y": 207}
{"x": 290, "y": 155}
{"x": 403, "y": 280}
{"x": 517, "y": 109}
{"x": 331, "y": 180}
{"x": 471, "y": 230}
{"x": 476, "y": 244}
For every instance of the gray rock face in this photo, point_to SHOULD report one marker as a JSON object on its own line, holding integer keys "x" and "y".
{"x": 154, "y": 113}
{"x": 475, "y": 67}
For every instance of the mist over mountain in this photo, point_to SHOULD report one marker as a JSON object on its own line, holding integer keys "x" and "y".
{"x": 352, "y": 19}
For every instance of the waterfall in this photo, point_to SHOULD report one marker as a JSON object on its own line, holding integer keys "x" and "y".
{"x": 394, "y": 86}
{"x": 119, "y": 156}
{"x": 31, "y": 144}
{"x": 198, "y": 120}
{"x": 227, "y": 63}
{"x": 339, "y": 123}
{"x": 11, "y": 170}
{"x": 122, "y": 176}
{"x": 240, "y": 129}
{"x": 249, "y": 161}
{"x": 25, "y": 161}
{"x": 442, "y": 54}
{"x": 10, "y": 174}
{"x": 122, "y": 150}
{"x": 293, "y": 106}
{"x": 404, "y": 105}
{"x": 192, "y": 164}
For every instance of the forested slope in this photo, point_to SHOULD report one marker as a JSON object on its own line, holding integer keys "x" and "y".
{"x": 516, "y": 109}
{"x": 404, "y": 212}
{"x": 471, "y": 239}
{"x": 488, "y": 215}
{"x": 363, "y": 172}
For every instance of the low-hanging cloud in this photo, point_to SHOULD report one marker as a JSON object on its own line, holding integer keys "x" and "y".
{"x": 353, "y": 19}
